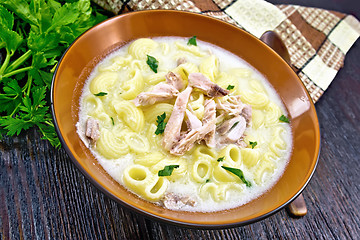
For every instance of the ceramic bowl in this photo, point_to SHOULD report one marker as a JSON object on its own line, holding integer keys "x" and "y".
{"x": 79, "y": 59}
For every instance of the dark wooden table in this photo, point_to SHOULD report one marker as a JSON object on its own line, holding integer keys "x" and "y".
{"x": 43, "y": 195}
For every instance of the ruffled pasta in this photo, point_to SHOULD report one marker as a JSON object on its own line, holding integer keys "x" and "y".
{"x": 134, "y": 86}
{"x": 155, "y": 110}
{"x": 103, "y": 82}
{"x": 141, "y": 47}
{"x": 132, "y": 116}
{"x": 210, "y": 67}
{"x": 111, "y": 144}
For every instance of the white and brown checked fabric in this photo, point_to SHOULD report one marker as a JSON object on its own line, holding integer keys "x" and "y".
{"x": 317, "y": 39}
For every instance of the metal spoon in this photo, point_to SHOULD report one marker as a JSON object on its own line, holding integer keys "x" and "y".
{"x": 297, "y": 207}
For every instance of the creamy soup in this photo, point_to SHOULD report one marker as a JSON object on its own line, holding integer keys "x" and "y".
{"x": 185, "y": 124}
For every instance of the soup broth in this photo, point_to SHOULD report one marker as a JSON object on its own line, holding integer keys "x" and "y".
{"x": 189, "y": 127}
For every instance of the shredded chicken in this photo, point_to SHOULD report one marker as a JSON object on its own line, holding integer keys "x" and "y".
{"x": 247, "y": 113}
{"x": 173, "y": 126}
{"x": 235, "y": 130}
{"x": 92, "y": 129}
{"x": 195, "y": 135}
{"x": 192, "y": 122}
{"x": 200, "y": 81}
{"x": 175, "y": 80}
{"x": 210, "y": 116}
{"x": 173, "y": 201}
{"x": 230, "y": 105}
{"x": 161, "y": 92}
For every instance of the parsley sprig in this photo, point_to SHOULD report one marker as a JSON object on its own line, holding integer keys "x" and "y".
{"x": 192, "y": 41}
{"x": 230, "y": 87}
{"x": 167, "y": 171}
{"x": 283, "y": 118}
{"x": 161, "y": 124}
{"x": 252, "y": 144}
{"x": 238, "y": 173}
{"x": 153, "y": 63}
{"x": 33, "y": 36}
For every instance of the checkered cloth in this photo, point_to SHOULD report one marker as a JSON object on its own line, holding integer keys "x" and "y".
{"x": 317, "y": 39}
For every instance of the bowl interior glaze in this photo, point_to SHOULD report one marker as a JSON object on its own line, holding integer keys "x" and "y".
{"x": 78, "y": 61}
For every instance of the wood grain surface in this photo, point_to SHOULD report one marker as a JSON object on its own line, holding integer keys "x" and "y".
{"x": 43, "y": 195}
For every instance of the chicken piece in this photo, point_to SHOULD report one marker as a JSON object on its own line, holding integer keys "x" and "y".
{"x": 195, "y": 135}
{"x": 247, "y": 113}
{"x": 192, "y": 121}
{"x": 224, "y": 127}
{"x": 210, "y": 116}
{"x": 200, "y": 81}
{"x": 173, "y": 201}
{"x": 231, "y": 105}
{"x": 232, "y": 130}
{"x": 175, "y": 80}
{"x": 173, "y": 126}
{"x": 161, "y": 92}
{"x": 92, "y": 130}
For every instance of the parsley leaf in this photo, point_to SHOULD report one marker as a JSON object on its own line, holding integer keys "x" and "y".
{"x": 33, "y": 36}
{"x": 283, "y": 118}
{"x": 160, "y": 124}
{"x": 153, "y": 63}
{"x": 100, "y": 94}
{"x": 192, "y": 41}
{"x": 220, "y": 159}
{"x": 167, "y": 171}
{"x": 229, "y": 87}
{"x": 238, "y": 173}
{"x": 236, "y": 123}
{"x": 252, "y": 144}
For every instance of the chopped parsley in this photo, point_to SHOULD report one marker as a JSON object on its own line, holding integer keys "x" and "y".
{"x": 192, "y": 41}
{"x": 167, "y": 171}
{"x": 153, "y": 63}
{"x": 252, "y": 144}
{"x": 100, "y": 94}
{"x": 283, "y": 118}
{"x": 230, "y": 87}
{"x": 220, "y": 159}
{"x": 207, "y": 180}
{"x": 234, "y": 125}
{"x": 161, "y": 124}
{"x": 112, "y": 120}
{"x": 238, "y": 173}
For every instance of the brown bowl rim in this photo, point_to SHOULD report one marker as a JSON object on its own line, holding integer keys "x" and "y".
{"x": 153, "y": 216}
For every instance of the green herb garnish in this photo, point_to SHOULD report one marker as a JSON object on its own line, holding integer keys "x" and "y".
{"x": 252, "y": 144}
{"x": 33, "y": 36}
{"x": 238, "y": 173}
{"x": 236, "y": 123}
{"x": 153, "y": 63}
{"x": 112, "y": 120}
{"x": 207, "y": 180}
{"x": 220, "y": 159}
{"x": 229, "y": 87}
{"x": 167, "y": 171}
{"x": 283, "y": 118}
{"x": 100, "y": 94}
{"x": 192, "y": 41}
{"x": 160, "y": 124}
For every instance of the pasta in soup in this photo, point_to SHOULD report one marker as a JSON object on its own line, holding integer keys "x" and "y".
{"x": 185, "y": 124}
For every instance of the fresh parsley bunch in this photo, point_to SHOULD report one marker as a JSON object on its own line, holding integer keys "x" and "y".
{"x": 33, "y": 36}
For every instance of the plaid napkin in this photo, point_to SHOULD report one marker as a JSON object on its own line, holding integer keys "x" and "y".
{"x": 317, "y": 39}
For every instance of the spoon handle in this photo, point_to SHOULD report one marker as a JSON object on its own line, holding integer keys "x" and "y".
{"x": 297, "y": 207}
